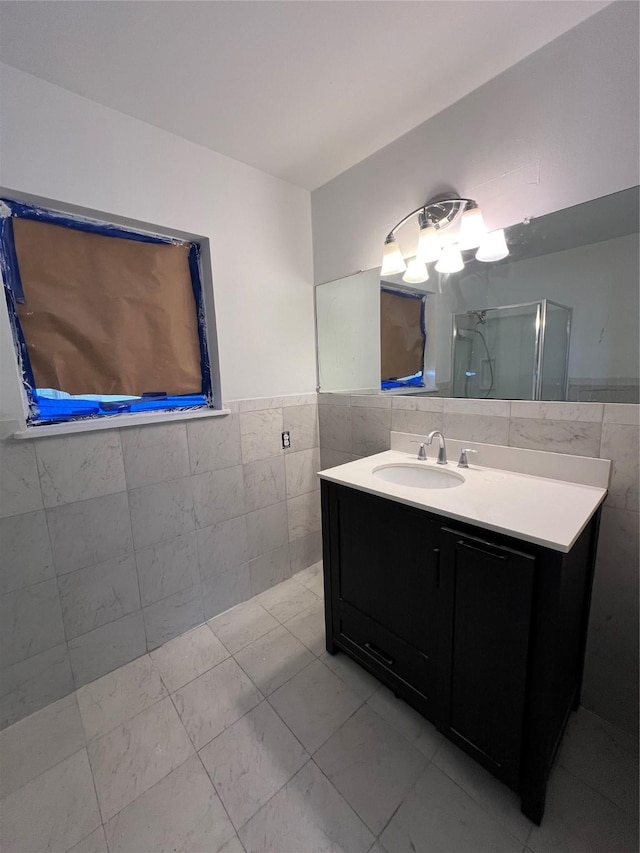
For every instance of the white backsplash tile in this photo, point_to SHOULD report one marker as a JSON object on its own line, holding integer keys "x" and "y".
{"x": 586, "y": 412}
{"x": 486, "y": 408}
{"x": 577, "y": 437}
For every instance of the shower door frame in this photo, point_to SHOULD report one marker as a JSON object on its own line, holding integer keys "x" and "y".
{"x": 541, "y": 325}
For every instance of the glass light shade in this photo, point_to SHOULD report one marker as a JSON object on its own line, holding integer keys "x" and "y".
{"x": 450, "y": 259}
{"x": 428, "y": 245}
{"x": 493, "y": 247}
{"x": 392, "y": 260}
{"x": 472, "y": 229}
{"x": 416, "y": 272}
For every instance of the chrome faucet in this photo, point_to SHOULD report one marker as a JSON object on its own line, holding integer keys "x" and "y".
{"x": 442, "y": 450}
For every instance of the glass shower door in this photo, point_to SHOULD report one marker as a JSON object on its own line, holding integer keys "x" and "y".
{"x": 494, "y": 353}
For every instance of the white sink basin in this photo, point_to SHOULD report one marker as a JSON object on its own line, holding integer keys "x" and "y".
{"x": 418, "y": 476}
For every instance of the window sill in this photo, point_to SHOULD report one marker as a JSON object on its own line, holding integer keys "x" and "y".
{"x": 116, "y": 422}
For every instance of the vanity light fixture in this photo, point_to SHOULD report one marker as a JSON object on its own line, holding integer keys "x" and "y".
{"x": 450, "y": 259}
{"x": 438, "y": 242}
{"x": 392, "y": 260}
{"x": 417, "y": 272}
{"x": 493, "y": 247}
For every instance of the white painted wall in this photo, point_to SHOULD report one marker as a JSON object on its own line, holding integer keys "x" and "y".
{"x": 56, "y": 144}
{"x": 555, "y": 130}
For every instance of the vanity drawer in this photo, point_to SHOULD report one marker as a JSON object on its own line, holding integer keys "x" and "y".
{"x": 384, "y": 651}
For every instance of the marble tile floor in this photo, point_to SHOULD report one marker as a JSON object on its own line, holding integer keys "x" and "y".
{"x": 244, "y": 735}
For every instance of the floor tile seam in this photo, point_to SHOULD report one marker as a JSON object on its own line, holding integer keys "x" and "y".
{"x": 306, "y": 761}
{"x": 246, "y": 644}
{"x": 275, "y": 710}
{"x": 341, "y": 726}
{"x": 257, "y": 686}
{"x": 494, "y": 817}
{"x": 196, "y": 677}
{"x": 402, "y": 734}
{"x": 344, "y": 796}
{"x": 257, "y": 597}
{"x": 73, "y": 693}
{"x": 344, "y": 799}
{"x": 220, "y": 800}
{"x": 317, "y": 656}
{"x": 304, "y": 609}
{"x": 402, "y": 802}
{"x": 596, "y": 791}
{"x": 141, "y": 794}
{"x": 299, "y": 612}
{"x": 96, "y": 738}
{"x": 257, "y": 705}
{"x": 6, "y": 796}
{"x": 95, "y": 794}
{"x": 283, "y": 625}
{"x": 95, "y": 829}
{"x": 244, "y": 714}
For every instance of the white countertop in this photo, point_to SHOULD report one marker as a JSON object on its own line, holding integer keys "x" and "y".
{"x": 541, "y": 510}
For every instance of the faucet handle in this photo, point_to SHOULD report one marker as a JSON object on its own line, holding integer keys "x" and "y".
{"x": 463, "y": 462}
{"x": 422, "y": 453}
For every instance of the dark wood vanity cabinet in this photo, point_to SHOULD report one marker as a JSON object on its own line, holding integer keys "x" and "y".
{"x": 482, "y": 633}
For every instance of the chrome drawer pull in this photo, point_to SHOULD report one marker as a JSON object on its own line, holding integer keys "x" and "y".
{"x": 464, "y": 544}
{"x": 377, "y": 653}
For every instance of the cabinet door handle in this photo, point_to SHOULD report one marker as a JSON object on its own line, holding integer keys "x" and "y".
{"x": 378, "y": 654}
{"x": 464, "y": 544}
{"x": 436, "y": 551}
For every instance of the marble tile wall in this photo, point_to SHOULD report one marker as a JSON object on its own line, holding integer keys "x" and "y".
{"x": 114, "y": 542}
{"x": 351, "y": 427}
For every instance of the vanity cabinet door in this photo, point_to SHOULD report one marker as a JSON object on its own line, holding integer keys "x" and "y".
{"x": 484, "y": 625}
{"x": 383, "y": 578}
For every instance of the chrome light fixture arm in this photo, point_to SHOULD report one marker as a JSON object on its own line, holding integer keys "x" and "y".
{"x": 438, "y": 212}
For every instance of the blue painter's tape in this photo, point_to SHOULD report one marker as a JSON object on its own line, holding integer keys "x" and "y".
{"x": 417, "y": 380}
{"x": 79, "y": 223}
{"x": 196, "y": 284}
{"x": 46, "y": 410}
{"x": 62, "y": 410}
{"x": 9, "y": 259}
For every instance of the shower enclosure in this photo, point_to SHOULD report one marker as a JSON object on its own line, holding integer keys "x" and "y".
{"x": 514, "y": 352}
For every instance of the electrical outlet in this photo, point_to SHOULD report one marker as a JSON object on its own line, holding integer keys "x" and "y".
{"x": 286, "y": 439}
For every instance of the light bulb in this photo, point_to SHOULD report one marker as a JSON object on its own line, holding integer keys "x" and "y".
{"x": 472, "y": 229}
{"x": 428, "y": 245}
{"x": 392, "y": 260}
{"x": 450, "y": 259}
{"x": 493, "y": 247}
{"x": 416, "y": 272}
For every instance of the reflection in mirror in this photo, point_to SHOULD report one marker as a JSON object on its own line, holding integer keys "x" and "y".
{"x": 557, "y": 319}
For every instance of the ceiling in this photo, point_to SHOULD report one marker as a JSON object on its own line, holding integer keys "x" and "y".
{"x": 301, "y": 89}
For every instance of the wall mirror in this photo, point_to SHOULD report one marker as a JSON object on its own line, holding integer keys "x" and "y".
{"x": 555, "y": 320}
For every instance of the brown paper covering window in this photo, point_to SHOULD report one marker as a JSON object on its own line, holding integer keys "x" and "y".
{"x": 401, "y": 336}
{"x": 105, "y": 315}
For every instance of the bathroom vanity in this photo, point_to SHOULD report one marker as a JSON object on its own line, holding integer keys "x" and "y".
{"x": 471, "y": 603}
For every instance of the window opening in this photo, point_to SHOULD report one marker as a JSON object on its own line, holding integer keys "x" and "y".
{"x": 403, "y": 338}
{"x": 106, "y": 320}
